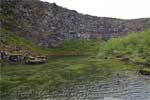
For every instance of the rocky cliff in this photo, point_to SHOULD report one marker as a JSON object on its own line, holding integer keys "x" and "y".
{"x": 48, "y": 24}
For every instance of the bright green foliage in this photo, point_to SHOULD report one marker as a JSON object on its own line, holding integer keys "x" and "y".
{"x": 135, "y": 46}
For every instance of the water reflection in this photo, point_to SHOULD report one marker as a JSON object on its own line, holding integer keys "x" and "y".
{"x": 119, "y": 86}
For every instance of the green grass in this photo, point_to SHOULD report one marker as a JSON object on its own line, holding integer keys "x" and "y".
{"x": 54, "y": 73}
{"x": 13, "y": 43}
{"x": 10, "y": 42}
{"x": 78, "y": 47}
{"x": 57, "y": 72}
{"x": 146, "y": 69}
{"x": 71, "y": 62}
{"x": 135, "y": 46}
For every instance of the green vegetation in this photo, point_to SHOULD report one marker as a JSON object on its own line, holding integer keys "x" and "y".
{"x": 56, "y": 73}
{"x": 135, "y": 46}
{"x": 74, "y": 61}
{"x": 145, "y": 71}
{"x": 78, "y": 47}
{"x": 13, "y": 43}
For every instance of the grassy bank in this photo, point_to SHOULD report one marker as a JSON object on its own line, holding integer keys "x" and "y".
{"x": 13, "y": 43}
{"x": 135, "y": 47}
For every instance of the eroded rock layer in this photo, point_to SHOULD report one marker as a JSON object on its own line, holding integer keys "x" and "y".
{"x": 48, "y": 25}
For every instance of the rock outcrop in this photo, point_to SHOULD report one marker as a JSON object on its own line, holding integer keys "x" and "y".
{"x": 48, "y": 25}
{"x": 20, "y": 58}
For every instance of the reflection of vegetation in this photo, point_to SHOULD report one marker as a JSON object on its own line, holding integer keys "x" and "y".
{"x": 58, "y": 71}
{"x": 145, "y": 71}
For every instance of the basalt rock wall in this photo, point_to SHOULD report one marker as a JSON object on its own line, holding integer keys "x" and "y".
{"x": 49, "y": 25}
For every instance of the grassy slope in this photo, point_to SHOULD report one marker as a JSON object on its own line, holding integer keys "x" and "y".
{"x": 13, "y": 43}
{"x": 78, "y": 47}
{"x": 135, "y": 46}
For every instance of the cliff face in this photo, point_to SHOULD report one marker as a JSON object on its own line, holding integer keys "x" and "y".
{"x": 48, "y": 24}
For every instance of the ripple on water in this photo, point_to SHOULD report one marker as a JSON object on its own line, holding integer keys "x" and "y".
{"x": 126, "y": 88}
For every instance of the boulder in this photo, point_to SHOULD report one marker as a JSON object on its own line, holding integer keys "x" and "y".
{"x": 19, "y": 58}
{"x": 36, "y": 60}
{"x": 12, "y": 57}
{"x": 16, "y": 58}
